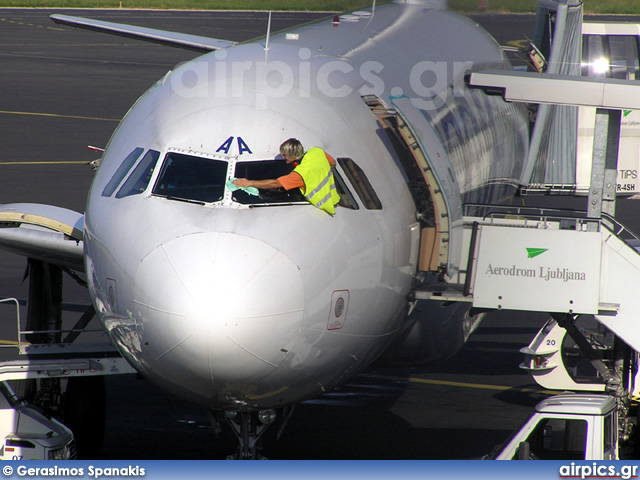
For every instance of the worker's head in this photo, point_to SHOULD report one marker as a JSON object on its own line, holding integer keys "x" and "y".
{"x": 292, "y": 150}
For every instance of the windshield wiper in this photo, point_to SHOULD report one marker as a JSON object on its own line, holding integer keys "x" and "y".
{"x": 186, "y": 200}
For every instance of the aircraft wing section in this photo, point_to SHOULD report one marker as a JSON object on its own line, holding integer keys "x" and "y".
{"x": 44, "y": 232}
{"x": 164, "y": 37}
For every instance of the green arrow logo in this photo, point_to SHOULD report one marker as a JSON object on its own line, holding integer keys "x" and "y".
{"x": 534, "y": 252}
{"x": 626, "y": 112}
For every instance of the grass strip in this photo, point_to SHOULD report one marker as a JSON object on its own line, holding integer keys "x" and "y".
{"x": 529, "y": 6}
{"x": 468, "y": 6}
{"x": 311, "y": 5}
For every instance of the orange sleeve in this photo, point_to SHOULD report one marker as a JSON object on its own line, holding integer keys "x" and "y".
{"x": 291, "y": 181}
{"x": 330, "y": 159}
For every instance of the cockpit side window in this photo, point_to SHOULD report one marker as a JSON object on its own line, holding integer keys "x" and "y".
{"x": 138, "y": 181}
{"x": 121, "y": 172}
{"x": 361, "y": 184}
{"x": 263, "y": 170}
{"x": 190, "y": 178}
{"x": 346, "y": 197}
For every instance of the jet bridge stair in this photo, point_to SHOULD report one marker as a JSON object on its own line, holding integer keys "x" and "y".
{"x": 556, "y": 261}
{"x": 573, "y": 265}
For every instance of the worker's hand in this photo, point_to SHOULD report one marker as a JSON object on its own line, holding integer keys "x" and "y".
{"x": 241, "y": 182}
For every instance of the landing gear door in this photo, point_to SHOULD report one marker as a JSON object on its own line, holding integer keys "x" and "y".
{"x": 435, "y": 166}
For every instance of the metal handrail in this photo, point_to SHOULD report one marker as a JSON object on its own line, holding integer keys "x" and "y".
{"x": 618, "y": 228}
{"x": 81, "y": 330}
{"x": 537, "y": 213}
{"x": 20, "y": 333}
{"x": 545, "y": 214}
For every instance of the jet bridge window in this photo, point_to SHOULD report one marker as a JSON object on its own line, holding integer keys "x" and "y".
{"x": 122, "y": 171}
{"x": 138, "y": 181}
{"x": 613, "y": 56}
{"x": 191, "y": 179}
{"x": 347, "y": 200}
{"x": 360, "y": 182}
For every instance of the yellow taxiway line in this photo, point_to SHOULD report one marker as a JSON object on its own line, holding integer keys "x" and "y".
{"x": 481, "y": 386}
{"x": 64, "y": 162}
{"x": 55, "y": 115}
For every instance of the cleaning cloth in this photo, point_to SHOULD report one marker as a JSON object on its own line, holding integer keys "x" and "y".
{"x": 233, "y": 187}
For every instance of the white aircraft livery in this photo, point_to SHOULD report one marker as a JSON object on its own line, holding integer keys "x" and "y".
{"x": 250, "y": 303}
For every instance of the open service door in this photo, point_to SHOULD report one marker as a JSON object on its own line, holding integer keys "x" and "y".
{"x": 431, "y": 181}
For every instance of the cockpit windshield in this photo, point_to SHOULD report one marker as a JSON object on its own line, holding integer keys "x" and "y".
{"x": 263, "y": 170}
{"x": 191, "y": 178}
{"x": 202, "y": 179}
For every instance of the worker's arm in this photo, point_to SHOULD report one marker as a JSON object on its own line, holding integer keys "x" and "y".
{"x": 244, "y": 183}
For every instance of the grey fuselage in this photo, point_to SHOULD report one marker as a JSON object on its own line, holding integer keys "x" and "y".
{"x": 237, "y": 305}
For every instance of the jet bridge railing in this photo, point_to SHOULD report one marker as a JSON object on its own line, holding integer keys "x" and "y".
{"x": 542, "y": 214}
{"x": 621, "y": 231}
{"x": 527, "y": 214}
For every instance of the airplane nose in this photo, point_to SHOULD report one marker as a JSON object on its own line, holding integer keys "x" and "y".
{"x": 217, "y": 308}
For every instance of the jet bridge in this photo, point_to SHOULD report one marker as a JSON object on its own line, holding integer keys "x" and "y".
{"x": 567, "y": 263}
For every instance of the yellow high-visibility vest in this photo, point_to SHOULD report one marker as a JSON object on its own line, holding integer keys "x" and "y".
{"x": 320, "y": 190}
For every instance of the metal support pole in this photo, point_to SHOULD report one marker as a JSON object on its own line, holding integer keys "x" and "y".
{"x": 44, "y": 312}
{"x": 567, "y": 322}
{"x": 604, "y": 166}
{"x": 611, "y": 162}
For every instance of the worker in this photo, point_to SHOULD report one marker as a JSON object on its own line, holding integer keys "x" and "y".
{"x": 312, "y": 175}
